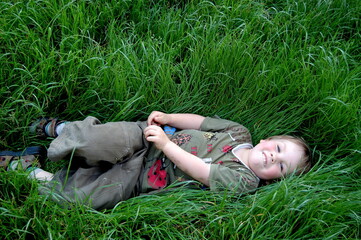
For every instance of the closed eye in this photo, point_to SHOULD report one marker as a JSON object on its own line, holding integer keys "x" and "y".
{"x": 278, "y": 149}
{"x": 281, "y": 166}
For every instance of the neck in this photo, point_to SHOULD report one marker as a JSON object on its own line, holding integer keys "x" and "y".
{"x": 243, "y": 154}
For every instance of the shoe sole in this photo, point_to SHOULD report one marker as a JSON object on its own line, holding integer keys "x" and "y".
{"x": 34, "y": 150}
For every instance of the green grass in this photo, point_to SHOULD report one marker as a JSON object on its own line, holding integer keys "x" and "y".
{"x": 278, "y": 67}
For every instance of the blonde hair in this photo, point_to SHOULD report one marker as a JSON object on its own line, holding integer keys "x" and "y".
{"x": 306, "y": 162}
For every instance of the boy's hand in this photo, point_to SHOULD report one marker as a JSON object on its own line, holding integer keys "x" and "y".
{"x": 187, "y": 162}
{"x": 156, "y": 135}
{"x": 158, "y": 118}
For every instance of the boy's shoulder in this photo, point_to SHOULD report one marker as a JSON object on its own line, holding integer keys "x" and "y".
{"x": 237, "y": 178}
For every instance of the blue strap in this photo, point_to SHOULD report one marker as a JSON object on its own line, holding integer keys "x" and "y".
{"x": 169, "y": 130}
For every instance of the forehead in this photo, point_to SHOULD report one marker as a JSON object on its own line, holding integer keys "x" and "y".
{"x": 292, "y": 153}
{"x": 287, "y": 142}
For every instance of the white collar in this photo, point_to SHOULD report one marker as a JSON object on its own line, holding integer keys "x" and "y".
{"x": 242, "y": 146}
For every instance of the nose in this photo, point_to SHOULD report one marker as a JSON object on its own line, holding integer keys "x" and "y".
{"x": 273, "y": 159}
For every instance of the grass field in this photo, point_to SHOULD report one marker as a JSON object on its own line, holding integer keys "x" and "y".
{"x": 277, "y": 67}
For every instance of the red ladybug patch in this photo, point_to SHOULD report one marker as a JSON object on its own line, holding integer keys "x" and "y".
{"x": 157, "y": 177}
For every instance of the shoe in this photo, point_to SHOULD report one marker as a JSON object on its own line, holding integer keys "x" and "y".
{"x": 41, "y": 130}
{"x": 29, "y": 157}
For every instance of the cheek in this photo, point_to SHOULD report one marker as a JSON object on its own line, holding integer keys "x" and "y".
{"x": 272, "y": 173}
{"x": 267, "y": 145}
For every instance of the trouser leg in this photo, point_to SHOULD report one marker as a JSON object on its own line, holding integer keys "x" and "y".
{"x": 113, "y": 142}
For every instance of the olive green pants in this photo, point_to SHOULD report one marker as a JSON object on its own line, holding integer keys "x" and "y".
{"x": 105, "y": 161}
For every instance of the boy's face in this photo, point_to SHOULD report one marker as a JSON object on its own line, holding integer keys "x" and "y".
{"x": 274, "y": 158}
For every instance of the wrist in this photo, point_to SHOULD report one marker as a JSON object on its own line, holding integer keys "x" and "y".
{"x": 169, "y": 119}
{"x": 167, "y": 145}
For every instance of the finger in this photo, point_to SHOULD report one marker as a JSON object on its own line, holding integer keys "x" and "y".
{"x": 152, "y": 138}
{"x": 153, "y": 120}
{"x": 150, "y": 118}
{"x": 151, "y": 130}
{"x": 150, "y": 127}
{"x": 147, "y": 131}
{"x": 157, "y": 120}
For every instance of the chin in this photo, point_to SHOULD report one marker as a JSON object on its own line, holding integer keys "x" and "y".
{"x": 262, "y": 176}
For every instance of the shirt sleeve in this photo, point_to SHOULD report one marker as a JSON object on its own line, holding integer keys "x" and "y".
{"x": 240, "y": 180}
{"x": 235, "y": 130}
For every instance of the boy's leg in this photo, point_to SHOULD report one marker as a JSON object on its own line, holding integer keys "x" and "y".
{"x": 95, "y": 187}
{"x": 113, "y": 142}
{"x": 47, "y": 127}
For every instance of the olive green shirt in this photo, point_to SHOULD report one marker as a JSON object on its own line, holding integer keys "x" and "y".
{"x": 213, "y": 143}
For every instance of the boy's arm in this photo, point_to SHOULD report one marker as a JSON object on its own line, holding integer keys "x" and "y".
{"x": 187, "y": 162}
{"x": 177, "y": 120}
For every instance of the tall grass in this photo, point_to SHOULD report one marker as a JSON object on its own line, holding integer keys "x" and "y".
{"x": 278, "y": 67}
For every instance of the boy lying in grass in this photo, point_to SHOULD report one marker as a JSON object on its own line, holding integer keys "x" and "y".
{"x": 114, "y": 161}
